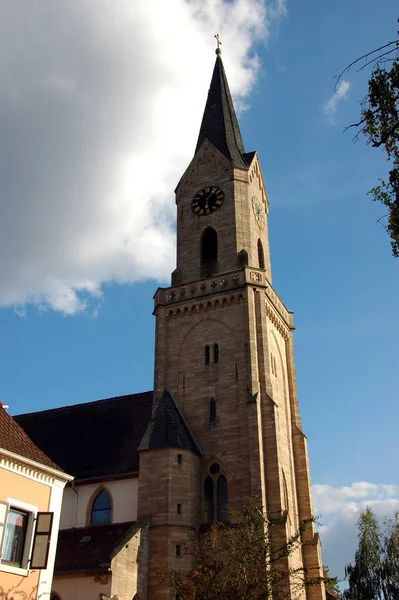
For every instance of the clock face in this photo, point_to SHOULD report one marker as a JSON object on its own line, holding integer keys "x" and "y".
{"x": 259, "y": 213}
{"x": 207, "y": 200}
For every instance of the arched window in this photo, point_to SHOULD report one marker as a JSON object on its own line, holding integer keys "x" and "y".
{"x": 216, "y": 353}
{"x": 209, "y": 501}
{"x": 101, "y": 508}
{"x": 222, "y": 499}
{"x": 215, "y": 500}
{"x": 54, "y": 596}
{"x": 209, "y": 252}
{"x": 207, "y": 355}
{"x": 212, "y": 411}
{"x": 261, "y": 256}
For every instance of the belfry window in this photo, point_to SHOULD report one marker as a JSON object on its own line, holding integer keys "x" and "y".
{"x": 209, "y": 245}
{"x": 212, "y": 411}
{"x": 215, "y": 498}
{"x": 216, "y": 353}
{"x": 209, "y": 252}
{"x": 261, "y": 256}
{"x": 101, "y": 508}
{"x": 207, "y": 355}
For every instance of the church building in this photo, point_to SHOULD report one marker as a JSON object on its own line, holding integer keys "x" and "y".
{"x": 222, "y": 423}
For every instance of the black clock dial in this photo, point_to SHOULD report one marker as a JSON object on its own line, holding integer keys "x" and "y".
{"x": 207, "y": 200}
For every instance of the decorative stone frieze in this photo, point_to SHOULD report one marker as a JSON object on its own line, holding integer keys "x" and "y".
{"x": 25, "y": 470}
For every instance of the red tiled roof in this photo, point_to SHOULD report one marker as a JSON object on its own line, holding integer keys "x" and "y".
{"x": 91, "y": 548}
{"x": 14, "y": 439}
{"x": 95, "y": 439}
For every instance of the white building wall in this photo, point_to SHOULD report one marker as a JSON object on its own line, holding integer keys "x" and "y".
{"x": 77, "y": 502}
{"x": 46, "y": 575}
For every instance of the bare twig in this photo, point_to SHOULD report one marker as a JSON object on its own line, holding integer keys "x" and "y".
{"x": 365, "y": 56}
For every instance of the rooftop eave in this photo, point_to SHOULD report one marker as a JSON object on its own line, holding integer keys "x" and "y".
{"x": 36, "y": 465}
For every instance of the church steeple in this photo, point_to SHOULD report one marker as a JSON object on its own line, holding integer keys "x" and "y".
{"x": 219, "y": 122}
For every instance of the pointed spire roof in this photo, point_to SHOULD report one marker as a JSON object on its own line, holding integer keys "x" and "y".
{"x": 170, "y": 429}
{"x": 219, "y": 123}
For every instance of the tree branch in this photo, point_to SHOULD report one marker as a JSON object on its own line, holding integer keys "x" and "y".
{"x": 354, "y": 62}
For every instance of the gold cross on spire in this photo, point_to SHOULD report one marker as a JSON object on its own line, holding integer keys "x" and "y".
{"x": 218, "y": 40}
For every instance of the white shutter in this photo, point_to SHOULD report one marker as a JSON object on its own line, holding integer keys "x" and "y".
{"x": 3, "y": 520}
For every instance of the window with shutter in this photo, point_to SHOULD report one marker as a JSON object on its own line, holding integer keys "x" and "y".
{"x": 3, "y": 518}
{"x": 41, "y": 540}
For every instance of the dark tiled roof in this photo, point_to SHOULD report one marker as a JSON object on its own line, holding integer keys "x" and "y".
{"x": 91, "y": 548}
{"x": 219, "y": 123}
{"x": 249, "y": 156}
{"x": 92, "y": 440}
{"x": 14, "y": 439}
{"x": 170, "y": 428}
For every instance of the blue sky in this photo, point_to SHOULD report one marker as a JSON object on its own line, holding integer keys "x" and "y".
{"x": 76, "y": 322}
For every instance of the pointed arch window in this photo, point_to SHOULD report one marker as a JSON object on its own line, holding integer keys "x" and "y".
{"x": 261, "y": 255}
{"x": 207, "y": 355}
{"x": 209, "y": 501}
{"x": 216, "y": 353}
{"x": 212, "y": 411}
{"x": 209, "y": 245}
{"x": 209, "y": 251}
{"x": 101, "y": 508}
{"x": 215, "y": 497}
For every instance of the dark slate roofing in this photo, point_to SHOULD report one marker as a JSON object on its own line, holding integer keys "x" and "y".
{"x": 91, "y": 548}
{"x": 170, "y": 428}
{"x": 219, "y": 123}
{"x": 95, "y": 439}
{"x": 14, "y": 439}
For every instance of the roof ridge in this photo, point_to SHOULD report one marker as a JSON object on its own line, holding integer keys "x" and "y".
{"x": 169, "y": 428}
{"x": 61, "y": 408}
{"x": 16, "y": 440}
{"x": 184, "y": 421}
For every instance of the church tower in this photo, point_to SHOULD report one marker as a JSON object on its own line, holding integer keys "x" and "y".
{"x": 226, "y": 422}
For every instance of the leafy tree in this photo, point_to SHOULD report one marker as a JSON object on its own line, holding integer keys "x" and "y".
{"x": 390, "y": 560}
{"x": 380, "y": 124}
{"x": 330, "y": 583}
{"x": 365, "y": 575}
{"x": 375, "y": 574}
{"x": 242, "y": 560}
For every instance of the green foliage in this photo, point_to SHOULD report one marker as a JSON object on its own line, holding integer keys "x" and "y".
{"x": 330, "y": 583}
{"x": 380, "y": 124}
{"x": 375, "y": 573}
{"x": 390, "y": 561}
{"x": 364, "y": 575}
{"x": 242, "y": 560}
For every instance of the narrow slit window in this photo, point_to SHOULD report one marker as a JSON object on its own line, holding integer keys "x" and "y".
{"x": 207, "y": 355}
{"x": 261, "y": 256}
{"x": 180, "y": 459}
{"x": 212, "y": 411}
{"x": 178, "y": 550}
{"x": 179, "y": 509}
{"x": 216, "y": 353}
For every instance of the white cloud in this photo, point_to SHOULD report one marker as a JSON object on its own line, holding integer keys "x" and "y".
{"x": 100, "y": 106}
{"x": 339, "y": 509}
{"x": 341, "y": 93}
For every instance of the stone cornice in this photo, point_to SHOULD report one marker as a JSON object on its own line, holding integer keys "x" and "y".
{"x": 224, "y": 289}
